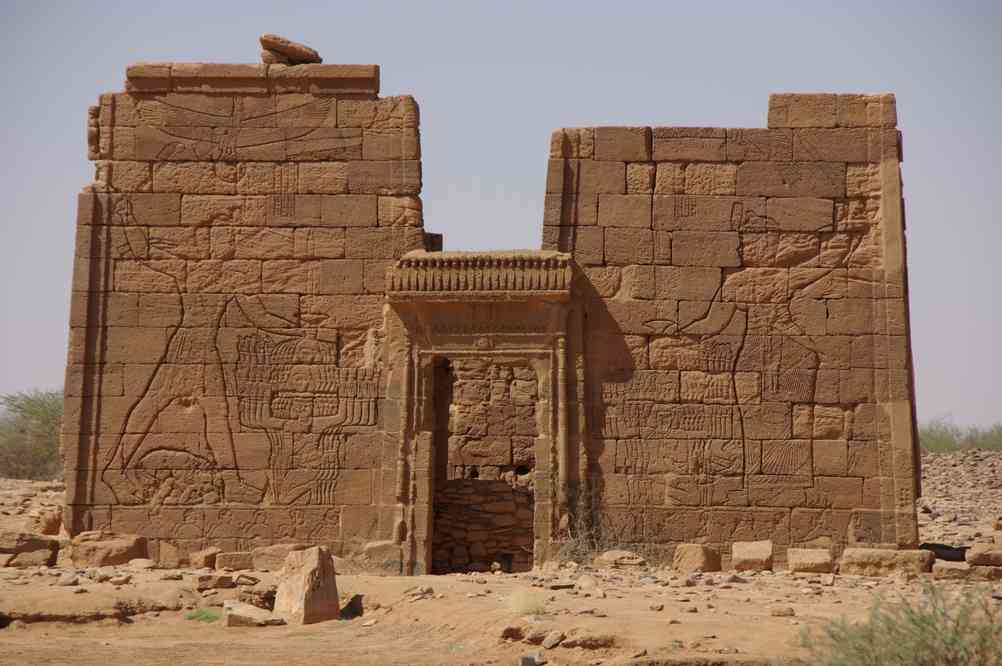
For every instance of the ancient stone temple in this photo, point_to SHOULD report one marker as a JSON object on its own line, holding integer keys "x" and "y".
{"x": 266, "y": 346}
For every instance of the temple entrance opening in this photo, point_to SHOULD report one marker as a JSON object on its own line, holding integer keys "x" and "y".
{"x": 485, "y": 437}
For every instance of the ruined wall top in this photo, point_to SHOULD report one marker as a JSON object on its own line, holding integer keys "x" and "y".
{"x": 150, "y": 77}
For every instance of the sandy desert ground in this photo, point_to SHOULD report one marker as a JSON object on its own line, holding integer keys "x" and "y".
{"x": 635, "y": 614}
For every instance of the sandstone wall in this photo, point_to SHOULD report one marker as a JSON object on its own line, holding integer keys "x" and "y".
{"x": 748, "y": 371}
{"x": 717, "y": 350}
{"x": 226, "y": 381}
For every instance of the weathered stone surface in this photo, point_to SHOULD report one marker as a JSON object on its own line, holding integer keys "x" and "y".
{"x": 984, "y": 555}
{"x": 204, "y": 558}
{"x": 751, "y": 555}
{"x": 884, "y": 562}
{"x": 49, "y": 522}
{"x": 240, "y": 614}
{"x": 289, "y": 52}
{"x": 809, "y": 560}
{"x": 943, "y": 570}
{"x": 235, "y": 560}
{"x": 272, "y": 558}
{"x": 98, "y": 548}
{"x": 28, "y": 549}
{"x": 307, "y": 588}
{"x": 694, "y": 557}
{"x": 214, "y": 582}
{"x": 619, "y": 558}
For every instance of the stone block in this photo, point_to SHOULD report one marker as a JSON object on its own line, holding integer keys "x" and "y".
{"x": 710, "y": 178}
{"x": 791, "y": 179}
{"x": 214, "y": 582}
{"x": 695, "y": 557}
{"x": 687, "y": 283}
{"x": 853, "y": 110}
{"x": 240, "y": 614}
{"x": 394, "y": 177}
{"x": 835, "y": 145}
{"x": 689, "y": 144}
{"x": 802, "y": 110}
{"x": 600, "y": 177}
{"x": 697, "y": 248}
{"x": 214, "y": 78}
{"x": 22, "y": 550}
{"x": 234, "y": 560}
{"x": 944, "y": 570}
{"x": 759, "y": 144}
{"x": 98, "y": 548}
{"x": 382, "y": 242}
{"x": 204, "y": 558}
{"x": 307, "y": 587}
{"x": 323, "y": 177}
{"x": 349, "y": 210}
{"x": 707, "y": 213}
{"x": 624, "y": 210}
{"x": 390, "y": 144}
{"x": 148, "y": 77}
{"x": 385, "y": 113}
{"x": 626, "y": 144}
{"x": 884, "y": 562}
{"x": 625, "y": 246}
{"x": 809, "y": 560}
{"x": 801, "y": 214}
{"x": 984, "y": 555}
{"x": 670, "y": 178}
{"x": 640, "y": 178}
{"x": 751, "y": 555}
{"x": 399, "y": 212}
{"x": 573, "y": 142}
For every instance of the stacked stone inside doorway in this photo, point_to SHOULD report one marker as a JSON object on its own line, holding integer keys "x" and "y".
{"x": 266, "y": 346}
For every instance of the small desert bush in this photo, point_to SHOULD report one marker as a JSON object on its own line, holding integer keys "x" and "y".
{"x": 527, "y": 602}
{"x": 29, "y": 435}
{"x": 964, "y": 629}
{"x": 943, "y": 436}
{"x": 203, "y": 615}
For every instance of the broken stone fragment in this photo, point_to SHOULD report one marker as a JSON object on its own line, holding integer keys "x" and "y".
{"x": 28, "y": 549}
{"x": 99, "y": 548}
{"x": 619, "y": 558}
{"x": 48, "y": 522}
{"x": 984, "y": 555}
{"x": 884, "y": 562}
{"x": 205, "y": 558}
{"x": 272, "y": 558}
{"x": 273, "y": 58}
{"x": 235, "y": 560}
{"x": 296, "y": 53}
{"x": 239, "y": 614}
{"x": 214, "y": 581}
{"x": 694, "y": 557}
{"x": 751, "y": 555}
{"x": 588, "y": 639}
{"x": 307, "y": 588}
{"x": 809, "y": 560}
{"x": 261, "y": 595}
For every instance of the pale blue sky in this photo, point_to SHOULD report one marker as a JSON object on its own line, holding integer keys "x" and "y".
{"x": 494, "y": 78}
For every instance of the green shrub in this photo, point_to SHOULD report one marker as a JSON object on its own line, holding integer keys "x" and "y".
{"x": 29, "y": 435}
{"x": 203, "y": 615}
{"x": 964, "y": 629}
{"x": 942, "y": 436}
